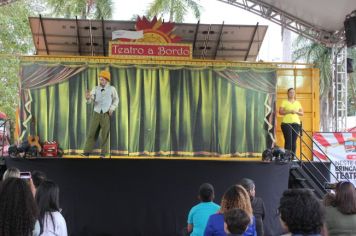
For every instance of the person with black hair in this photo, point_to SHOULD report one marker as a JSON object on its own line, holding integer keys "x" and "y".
{"x": 236, "y": 222}
{"x": 291, "y": 109}
{"x": 18, "y": 211}
{"x": 301, "y": 212}
{"x": 257, "y": 204}
{"x": 341, "y": 210}
{"x": 38, "y": 177}
{"x": 199, "y": 214}
{"x": 50, "y": 219}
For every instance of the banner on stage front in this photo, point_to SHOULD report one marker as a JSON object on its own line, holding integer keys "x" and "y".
{"x": 177, "y": 51}
{"x": 340, "y": 147}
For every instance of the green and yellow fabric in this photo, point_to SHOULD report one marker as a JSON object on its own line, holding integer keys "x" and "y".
{"x": 164, "y": 110}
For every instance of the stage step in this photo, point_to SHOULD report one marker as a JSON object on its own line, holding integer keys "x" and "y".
{"x": 300, "y": 177}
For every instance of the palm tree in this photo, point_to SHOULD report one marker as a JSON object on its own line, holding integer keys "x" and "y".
{"x": 85, "y": 9}
{"x": 319, "y": 55}
{"x": 176, "y": 9}
{"x": 351, "y": 92}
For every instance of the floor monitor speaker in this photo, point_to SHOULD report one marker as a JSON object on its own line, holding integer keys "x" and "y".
{"x": 350, "y": 31}
{"x": 350, "y": 65}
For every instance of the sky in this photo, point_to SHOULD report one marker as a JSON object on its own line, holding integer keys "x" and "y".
{"x": 214, "y": 12}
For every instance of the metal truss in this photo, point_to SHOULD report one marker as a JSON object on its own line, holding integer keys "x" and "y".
{"x": 288, "y": 21}
{"x": 339, "y": 73}
{"x": 334, "y": 40}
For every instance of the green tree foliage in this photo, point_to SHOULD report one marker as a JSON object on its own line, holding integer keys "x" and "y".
{"x": 317, "y": 54}
{"x": 311, "y": 52}
{"x": 351, "y": 89}
{"x": 15, "y": 39}
{"x": 176, "y": 9}
{"x": 84, "y": 9}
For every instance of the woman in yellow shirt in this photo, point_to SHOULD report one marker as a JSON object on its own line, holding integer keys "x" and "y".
{"x": 291, "y": 110}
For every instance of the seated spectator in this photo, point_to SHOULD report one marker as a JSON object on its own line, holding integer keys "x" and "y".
{"x": 50, "y": 218}
{"x": 329, "y": 199}
{"x": 257, "y": 204}
{"x": 341, "y": 210}
{"x": 199, "y": 214}
{"x": 38, "y": 177}
{"x": 12, "y": 172}
{"x": 235, "y": 197}
{"x": 236, "y": 222}
{"x": 18, "y": 212}
{"x": 301, "y": 212}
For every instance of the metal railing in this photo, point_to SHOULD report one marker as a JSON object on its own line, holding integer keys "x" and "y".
{"x": 302, "y": 133}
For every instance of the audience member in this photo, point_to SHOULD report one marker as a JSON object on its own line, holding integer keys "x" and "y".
{"x": 329, "y": 199}
{"x": 11, "y": 172}
{"x": 235, "y": 197}
{"x": 38, "y": 177}
{"x": 50, "y": 218}
{"x": 236, "y": 222}
{"x": 301, "y": 212}
{"x": 341, "y": 210}
{"x": 199, "y": 214}
{"x": 18, "y": 212}
{"x": 257, "y": 204}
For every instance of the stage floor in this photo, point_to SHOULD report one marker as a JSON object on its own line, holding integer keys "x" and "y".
{"x": 195, "y": 158}
{"x": 151, "y": 196}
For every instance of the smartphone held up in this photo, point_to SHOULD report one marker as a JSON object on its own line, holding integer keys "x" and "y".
{"x": 25, "y": 175}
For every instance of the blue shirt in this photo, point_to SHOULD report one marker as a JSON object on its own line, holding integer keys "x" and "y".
{"x": 305, "y": 235}
{"x": 198, "y": 216}
{"x": 215, "y": 226}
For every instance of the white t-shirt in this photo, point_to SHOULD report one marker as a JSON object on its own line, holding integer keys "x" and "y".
{"x": 60, "y": 227}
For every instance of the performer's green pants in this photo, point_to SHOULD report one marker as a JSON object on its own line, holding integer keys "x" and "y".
{"x": 98, "y": 121}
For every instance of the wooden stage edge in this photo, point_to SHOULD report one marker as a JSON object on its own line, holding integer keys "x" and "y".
{"x": 170, "y": 158}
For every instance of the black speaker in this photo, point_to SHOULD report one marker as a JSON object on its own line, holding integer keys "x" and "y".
{"x": 350, "y": 65}
{"x": 350, "y": 31}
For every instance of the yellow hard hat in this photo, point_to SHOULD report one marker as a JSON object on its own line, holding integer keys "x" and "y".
{"x": 105, "y": 74}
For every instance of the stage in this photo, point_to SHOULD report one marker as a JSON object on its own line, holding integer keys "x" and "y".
{"x": 149, "y": 197}
{"x": 169, "y": 110}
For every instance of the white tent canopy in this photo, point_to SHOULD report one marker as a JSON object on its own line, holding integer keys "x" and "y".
{"x": 328, "y": 15}
{"x": 319, "y": 20}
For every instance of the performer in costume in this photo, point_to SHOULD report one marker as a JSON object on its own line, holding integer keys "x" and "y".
{"x": 291, "y": 109}
{"x": 105, "y": 100}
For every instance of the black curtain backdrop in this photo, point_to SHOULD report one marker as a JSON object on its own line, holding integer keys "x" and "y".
{"x": 149, "y": 197}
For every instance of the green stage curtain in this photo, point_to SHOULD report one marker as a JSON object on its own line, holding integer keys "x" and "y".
{"x": 163, "y": 110}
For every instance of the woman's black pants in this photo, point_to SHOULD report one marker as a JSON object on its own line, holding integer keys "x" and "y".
{"x": 290, "y": 133}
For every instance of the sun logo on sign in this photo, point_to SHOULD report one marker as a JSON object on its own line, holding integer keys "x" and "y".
{"x": 156, "y": 31}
